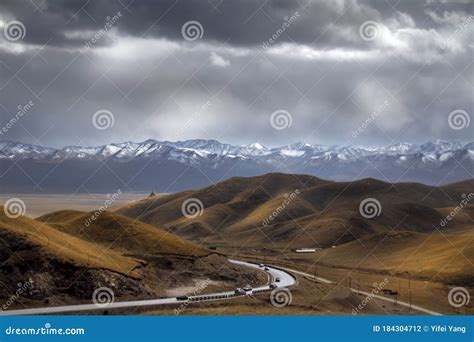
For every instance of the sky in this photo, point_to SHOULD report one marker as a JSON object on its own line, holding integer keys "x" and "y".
{"x": 365, "y": 73}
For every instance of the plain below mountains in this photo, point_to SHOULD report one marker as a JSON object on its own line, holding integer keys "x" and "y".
{"x": 174, "y": 166}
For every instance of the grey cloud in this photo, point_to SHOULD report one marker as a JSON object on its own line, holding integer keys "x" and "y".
{"x": 155, "y": 83}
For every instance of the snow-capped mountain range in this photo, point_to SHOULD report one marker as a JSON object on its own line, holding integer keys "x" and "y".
{"x": 432, "y": 162}
{"x": 195, "y": 149}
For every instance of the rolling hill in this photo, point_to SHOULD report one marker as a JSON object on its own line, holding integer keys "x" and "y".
{"x": 435, "y": 256}
{"x": 323, "y": 213}
{"x": 120, "y": 233}
{"x": 58, "y": 267}
{"x": 66, "y": 255}
{"x": 306, "y": 211}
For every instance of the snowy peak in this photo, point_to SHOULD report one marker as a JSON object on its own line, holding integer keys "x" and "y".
{"x": 200, "y": 150}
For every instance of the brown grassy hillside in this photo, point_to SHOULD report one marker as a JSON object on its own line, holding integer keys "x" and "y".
{"x": 49, "y": 243}
{"x": 322, "y": 214}
{"x": 118, "y": 232}
{"x": 435, "y": 256}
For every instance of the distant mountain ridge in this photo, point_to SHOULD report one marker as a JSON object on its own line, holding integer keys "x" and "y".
{"x": 206, "y": 148}
{"x": 208, "y": 161}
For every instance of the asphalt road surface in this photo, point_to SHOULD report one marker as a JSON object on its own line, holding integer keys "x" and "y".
{"x": 285, "y": 280}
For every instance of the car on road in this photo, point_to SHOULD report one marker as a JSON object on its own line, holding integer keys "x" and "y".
{"x": 267, "y": 268}
{"x": 261, "y": 265}
{"x": 277, "y": 279}
{"x": 239, "y": 291}
{"x": 247, "y": 288}
{"x": 182, "y": 298}
{"x": 273, "y": 286}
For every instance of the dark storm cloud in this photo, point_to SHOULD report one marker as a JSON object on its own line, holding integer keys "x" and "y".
{"x": 156, "y": 84}
{"x": 246, "y": 22}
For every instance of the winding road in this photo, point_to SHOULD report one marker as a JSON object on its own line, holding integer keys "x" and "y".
{"x": 285, "y": 280}
{"x": 284, "y": 275}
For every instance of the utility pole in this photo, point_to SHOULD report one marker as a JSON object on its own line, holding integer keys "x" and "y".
{"x": 409, "y": 290}
{"x": 358, "y": 277}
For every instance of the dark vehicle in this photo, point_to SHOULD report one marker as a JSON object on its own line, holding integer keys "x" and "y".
{"x": 182, "y": 298}
{"x": 239, "y": 291}
{"x": 273, "y": 286}
{"x": 277, "y": 280}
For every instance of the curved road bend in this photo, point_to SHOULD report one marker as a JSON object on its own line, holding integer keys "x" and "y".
{"x": 285, "y": 280}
